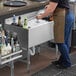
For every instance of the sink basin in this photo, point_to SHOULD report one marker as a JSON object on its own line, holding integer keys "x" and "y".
{"x": 36, "y": 23}
{"x": 15, "y": 3}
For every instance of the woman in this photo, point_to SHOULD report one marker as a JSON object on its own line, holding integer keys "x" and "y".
{"x": 63, "y": 22}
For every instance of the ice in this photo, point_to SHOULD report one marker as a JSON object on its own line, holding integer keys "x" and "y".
{"x": 35, "y": 22}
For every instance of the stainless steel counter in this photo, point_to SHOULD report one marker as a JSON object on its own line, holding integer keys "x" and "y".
{"x": 6, "y": 11}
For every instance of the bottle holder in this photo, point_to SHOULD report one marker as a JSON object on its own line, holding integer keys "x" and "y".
{"x": 10, "y": 57}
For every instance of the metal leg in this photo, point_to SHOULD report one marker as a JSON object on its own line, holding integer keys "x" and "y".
{"x": 28, "y": 60}
{"x": 12, "y": 68}
{"x": 56, "y": 52}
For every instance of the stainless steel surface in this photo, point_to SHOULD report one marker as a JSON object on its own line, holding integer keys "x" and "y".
{"x": 15, "y": 3}
{"x": 12, "y": 68}
{"x": 16, "y": 10}
{"x": 37, "y": 34}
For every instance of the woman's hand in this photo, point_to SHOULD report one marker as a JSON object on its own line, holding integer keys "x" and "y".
{"x": 39, "y": 16}
{"x": 42, "y": 15}
{"x": 49, "y": 9}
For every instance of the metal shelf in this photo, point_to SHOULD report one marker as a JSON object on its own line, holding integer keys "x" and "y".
{"x": 10, "y": 57}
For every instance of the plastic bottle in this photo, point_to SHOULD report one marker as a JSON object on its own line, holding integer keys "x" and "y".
{"x": 25, "y": 23}
{"x": 3, "y": 48}
{"x": 2, "y": 41}
{"x": 14, "y": 19}
{"x": 9, "y": 48}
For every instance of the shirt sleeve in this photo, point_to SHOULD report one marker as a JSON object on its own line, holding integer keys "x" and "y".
{"x": 54, "y": 1}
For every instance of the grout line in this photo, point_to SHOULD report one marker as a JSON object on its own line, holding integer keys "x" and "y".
{"x": 73, "y": 65}
{"x": 58, "y": 73}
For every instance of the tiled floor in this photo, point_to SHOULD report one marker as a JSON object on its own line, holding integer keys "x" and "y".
{"x": 38, "y": 62}
{"x": 52, "y": 70}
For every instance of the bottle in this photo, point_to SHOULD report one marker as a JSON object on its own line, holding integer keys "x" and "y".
{"x": 9, "y": 48}
{"x": 3, "y": 37}
{"x": 0, "y": 38}
{"x": 0, "y": 34}
{"x": 14, "y": 19}
{"x": 3, "y": 33}
{"x": 3, "y": 48}
{"x": 17, "y": 46}
{"x": 6, "y": 37}
{"x": 1, "y": 27}
{"x": 12, "y": 45}
{"x": 25, "y": 23}
{"x": 19, "y": 21}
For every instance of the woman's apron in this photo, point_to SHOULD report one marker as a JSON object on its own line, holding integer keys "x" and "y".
{"x": 59, "y": 25}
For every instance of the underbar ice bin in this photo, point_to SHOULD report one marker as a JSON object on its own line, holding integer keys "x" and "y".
{"x": 36, "y": 33}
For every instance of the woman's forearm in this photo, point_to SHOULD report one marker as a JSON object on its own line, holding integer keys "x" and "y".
{"x": 49, "y": 9}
